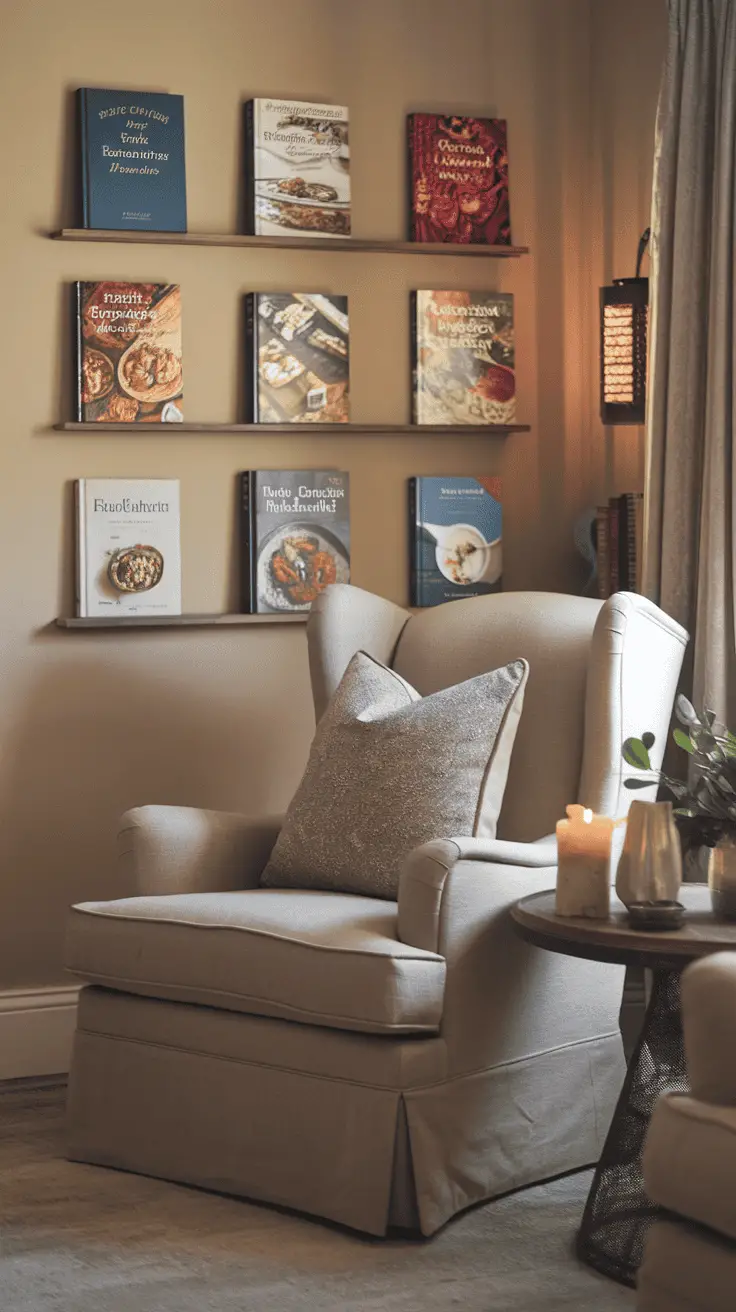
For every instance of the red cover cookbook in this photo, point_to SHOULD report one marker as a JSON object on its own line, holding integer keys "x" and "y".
{"x": 459, "y": 180}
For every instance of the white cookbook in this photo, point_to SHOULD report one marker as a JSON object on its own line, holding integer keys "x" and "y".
{"x": 128, "y": 546}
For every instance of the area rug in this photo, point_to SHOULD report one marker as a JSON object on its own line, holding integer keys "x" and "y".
{"x": 77, "y": 1238}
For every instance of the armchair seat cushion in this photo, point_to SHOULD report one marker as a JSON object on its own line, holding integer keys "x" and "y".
{"x": 690, "y": 1161}
{"x": 314, "y": 957}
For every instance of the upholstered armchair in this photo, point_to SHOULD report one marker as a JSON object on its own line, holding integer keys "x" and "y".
{"x": 376, "y": 1063}
{"x": 690, "y": 1157}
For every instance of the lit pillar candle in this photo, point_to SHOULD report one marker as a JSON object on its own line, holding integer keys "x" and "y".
{"x": 584, "y": 864}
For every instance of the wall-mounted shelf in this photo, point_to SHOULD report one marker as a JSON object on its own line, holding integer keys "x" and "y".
{"x": 178, "y": 621}
{"x": 293, "y": 430}
{"x": 352, "y": 245}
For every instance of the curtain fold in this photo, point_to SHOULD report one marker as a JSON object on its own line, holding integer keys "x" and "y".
{"x": 689, "y": 560}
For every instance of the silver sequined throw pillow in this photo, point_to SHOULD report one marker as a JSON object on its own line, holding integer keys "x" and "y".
{"x": 389, "y": 770}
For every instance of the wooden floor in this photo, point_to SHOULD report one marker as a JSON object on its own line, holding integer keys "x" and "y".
{"x": 77, "y": 1238}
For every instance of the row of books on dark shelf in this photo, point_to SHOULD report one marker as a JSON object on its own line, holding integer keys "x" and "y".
{"x": 297, "y": 169}
{"x": 129, "y": 356}
{"x": 619, "y": 533}
{"x": 294, "y": 534}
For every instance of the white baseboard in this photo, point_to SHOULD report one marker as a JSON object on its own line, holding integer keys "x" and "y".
{"x": 36, "y": 1031}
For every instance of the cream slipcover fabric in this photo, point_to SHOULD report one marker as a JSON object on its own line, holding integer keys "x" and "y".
{"x": 390, "y": 770}
{"x": 372, "y": 1129}
{"x": 318, "y": 958}
{"x": 690, "y": 1157}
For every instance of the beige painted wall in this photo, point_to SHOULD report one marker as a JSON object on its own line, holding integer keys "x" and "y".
{"x": 93, "y": 723}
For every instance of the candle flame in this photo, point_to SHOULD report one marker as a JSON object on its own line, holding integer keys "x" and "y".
{"x": 587, "y": 816}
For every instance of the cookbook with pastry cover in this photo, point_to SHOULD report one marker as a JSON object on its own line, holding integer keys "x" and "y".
{"x": 132, "y": 155}
{"x": 455, "y": 538}
{"x": 128, "y": 548}
{"x": 299, "y": 358}
{"x": 298, "y": 168}
{"x": 463, "y": 357}
{"x": 295, "y": 536}
{"x": 129, "y": 366}
{"x": 458, "y": 179}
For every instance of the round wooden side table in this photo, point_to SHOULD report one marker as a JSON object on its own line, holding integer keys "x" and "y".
{"x": 618, "y": 1213}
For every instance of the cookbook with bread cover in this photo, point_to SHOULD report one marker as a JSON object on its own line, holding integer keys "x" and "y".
{"x": 129, "y": 366}
{"x": 458, "y": 179}
{"x": 298, "y": 168}
{"x": 299, "y": 349}
{"x": 132, "y": 155}
{"x": 463, "y": 357}
{"x": 128, "y": 548}
{"x": 295, "y": 536}
{"x": 456, "y": 547}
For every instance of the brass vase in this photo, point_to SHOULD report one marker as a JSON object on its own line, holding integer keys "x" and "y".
{"x": 650, "y": 866}
{"x": 722, "y": 877}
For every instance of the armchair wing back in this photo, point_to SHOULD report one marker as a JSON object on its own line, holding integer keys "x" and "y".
{"x": 599, "y": 672}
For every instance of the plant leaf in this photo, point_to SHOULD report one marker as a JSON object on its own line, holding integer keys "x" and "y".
{"x": 685, "y": 711}
{"x": 648, "y": 740}
{"x": 635, "y": 753}
{"x": 638, "y": 783}
{"x": 702, "y": 739}
{"x": 678, "y": 790}
{"x": 683, "y": 740}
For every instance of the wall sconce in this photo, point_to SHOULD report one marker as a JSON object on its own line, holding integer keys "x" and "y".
{"x": 624, "y": 317}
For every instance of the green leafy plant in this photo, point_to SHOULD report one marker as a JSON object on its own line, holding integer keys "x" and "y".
{"x": 706, "y": 803}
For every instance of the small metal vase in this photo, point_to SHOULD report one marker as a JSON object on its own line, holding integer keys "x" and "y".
{"x": 650, "y": 867}
{"x": 722, "y": 878}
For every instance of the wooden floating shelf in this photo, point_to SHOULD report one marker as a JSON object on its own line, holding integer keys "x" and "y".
{"x": 178, "y": 621}
{"x": 354, "y": 245}
{"x": 293, "y": 430}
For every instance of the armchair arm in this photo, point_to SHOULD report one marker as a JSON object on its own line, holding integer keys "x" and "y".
{"x": 181, "y": 849}
{"x": 709, "y": 1022}
{"x": 427, "y": 902}
{"x": 504, "y": 999}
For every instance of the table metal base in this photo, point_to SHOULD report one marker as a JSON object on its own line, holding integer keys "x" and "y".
{"x": 618, "y": 1213}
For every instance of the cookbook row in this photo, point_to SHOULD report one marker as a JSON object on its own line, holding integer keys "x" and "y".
{"x": 129, "y": 356}
{"x": 294, "y": 536}
{"x": 619, "y": 532}
{"x": 297, "y": 169}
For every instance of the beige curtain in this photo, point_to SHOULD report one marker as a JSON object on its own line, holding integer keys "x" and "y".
{"x": 689, "y": 535}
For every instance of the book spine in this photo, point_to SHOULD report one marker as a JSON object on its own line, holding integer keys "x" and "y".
{"x": 631, "y": 570}
{"x": 83, "y": 154}
{"x": 245, "y": 545}
{"x": 256, "y": 604}
{"x": 251, "y": 372}
{"x": 78, "y": 299}
{"x": 603, "y": 552}
{"x": 81, "y": 551}
{"x": 413, "y": 312}
{"x": 639, "y": 538}
{"x": 613, "y": 539}
{"x": 411, "y": 222}
{"x": 250, "y": 166}
{"x": 623, "y": 543}
{"x": 413, "y": 544}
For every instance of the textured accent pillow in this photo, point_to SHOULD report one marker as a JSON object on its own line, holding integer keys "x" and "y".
{"x": 389, "y": 770}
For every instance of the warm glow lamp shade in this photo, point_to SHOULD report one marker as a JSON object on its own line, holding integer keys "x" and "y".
{"x": 624, "y": 315}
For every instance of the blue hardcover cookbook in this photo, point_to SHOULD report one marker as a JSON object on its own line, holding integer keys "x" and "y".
{"x": 455, "y": 547}
{"x": 133, "y": 171}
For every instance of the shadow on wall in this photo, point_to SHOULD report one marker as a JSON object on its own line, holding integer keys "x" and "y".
{"x": 552, "y": 243}
{"x": 88, "y": 742}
